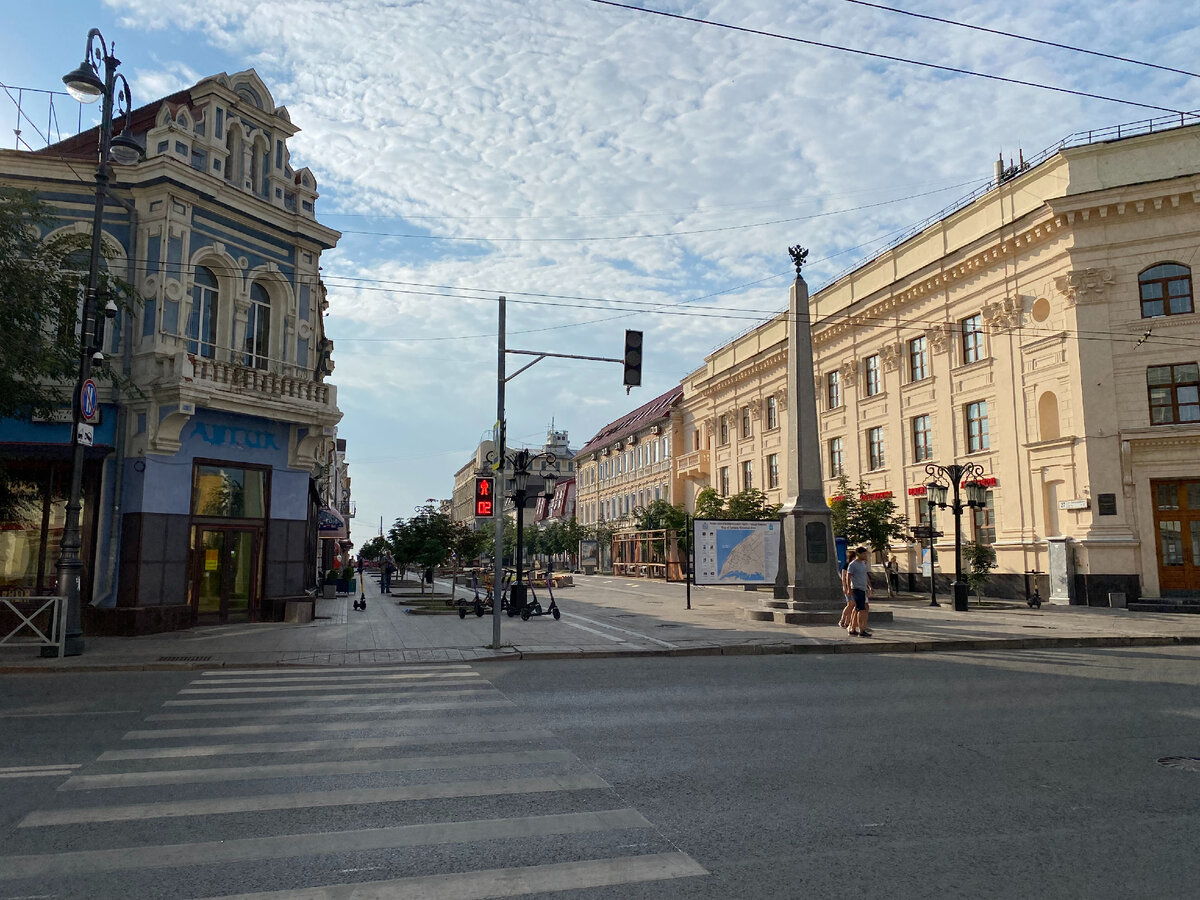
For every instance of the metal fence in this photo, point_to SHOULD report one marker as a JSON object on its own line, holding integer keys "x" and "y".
{"x": 39, "y": 622}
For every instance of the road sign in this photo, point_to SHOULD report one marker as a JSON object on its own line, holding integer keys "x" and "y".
{"x": 86, "y": 434}
{"x": 925, "y": 532}
{"x": 88, "y": 401}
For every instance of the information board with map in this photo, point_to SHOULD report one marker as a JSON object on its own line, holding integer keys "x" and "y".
{"x": 736, "y": 551}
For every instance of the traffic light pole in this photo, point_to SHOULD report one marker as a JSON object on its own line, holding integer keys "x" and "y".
{"x": 633, "y": 378}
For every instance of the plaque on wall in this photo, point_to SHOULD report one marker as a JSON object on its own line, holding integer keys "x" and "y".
{"x": 816, "y": 541}
{"x": 1106, "y": 504}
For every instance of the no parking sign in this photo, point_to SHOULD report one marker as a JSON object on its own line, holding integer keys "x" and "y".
{"x": 88, "y": 401}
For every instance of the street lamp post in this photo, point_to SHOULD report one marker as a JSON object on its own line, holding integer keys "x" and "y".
{"x": 522, "y": 462}
{"x": 86, "y": 86}
{"x": 937, "y": 492}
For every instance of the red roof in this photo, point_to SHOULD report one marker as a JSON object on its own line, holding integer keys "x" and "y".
{"x": 657, "y": 410}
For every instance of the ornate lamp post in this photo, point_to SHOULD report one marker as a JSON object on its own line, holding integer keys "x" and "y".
{"x": 937, "y": 491}
{"x": 86, "y": 86}
{"x": 522, "y": 462}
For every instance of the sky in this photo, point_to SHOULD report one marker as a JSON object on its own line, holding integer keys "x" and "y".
{"x": 605, "y": 169}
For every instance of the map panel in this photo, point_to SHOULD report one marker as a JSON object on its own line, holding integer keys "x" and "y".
{"x": 736, "y": 552}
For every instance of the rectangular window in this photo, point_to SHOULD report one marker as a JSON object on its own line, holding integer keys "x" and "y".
{"x": 773, "y": 470}
{"x": 918, "y": 359}
{"x": 723, "y": 431}
{"x": 229, "y": 492}
{"x": 772, "y": 413}
{"x": 922, "y": 438}
{"x": 746, "y": 430}
{"x": 695, "y": 438}
{"x": 1174, "y": 393}
{"x": 747, "y": 475}
{"x": 833, "y": 390}
{"x": 985, "y": 521}
{"x": 923, "y": 517}
{"x": 724, "y": 481}
{"x": 837, "y": 466}
{"x": 875, "y": 448}
{"x": 977, "y": 427}
{"x": 871, "y": 382}
{"x": 972, "y": 339}
{"x": 666, "y": 445}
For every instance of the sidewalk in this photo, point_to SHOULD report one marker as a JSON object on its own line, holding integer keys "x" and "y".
{"x": 603, "y": 616}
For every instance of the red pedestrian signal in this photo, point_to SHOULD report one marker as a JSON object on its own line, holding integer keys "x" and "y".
{"x": 485, "y": 489}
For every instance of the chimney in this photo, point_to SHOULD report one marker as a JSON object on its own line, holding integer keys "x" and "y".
{"x": 998, "y": 168}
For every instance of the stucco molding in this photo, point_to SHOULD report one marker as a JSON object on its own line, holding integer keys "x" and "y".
{"x": 1088, "y": 285}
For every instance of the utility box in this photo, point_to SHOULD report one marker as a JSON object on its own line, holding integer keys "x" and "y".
{"x": 1116, "y": 599}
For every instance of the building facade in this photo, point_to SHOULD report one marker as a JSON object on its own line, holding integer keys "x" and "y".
{"x": 629, "y": 463}
{"x": 1047, "y": 332}
{"x": 204, "y": 485}
{"x": 733, "y": 417}
{"x": 462, "y": 504}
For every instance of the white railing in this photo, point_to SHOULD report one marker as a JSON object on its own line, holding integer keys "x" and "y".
{"x": 27, "y": 610}
{"x": 261, "y": 381}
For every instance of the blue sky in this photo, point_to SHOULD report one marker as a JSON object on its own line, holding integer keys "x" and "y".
{"x": 604, "y": 168}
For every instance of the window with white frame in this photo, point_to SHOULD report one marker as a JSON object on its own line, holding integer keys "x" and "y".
{"x": 746, "y": 427}
{"x": 875, "y": 448}
{"x": 918, "y": 359}
{"x": 971, "y": 329}
{"x": 871, "y": 380}
{"x": 772, "y": 413}
{"x": 833, "y": 390}
{"x": 723, "y": 481}
{"x": 977, "y": 426}
{"x": 773, "y": 470}
{"x": 837, "y": 463}
{"x": 747, "y": 475}
{"x": 922, "y": 438}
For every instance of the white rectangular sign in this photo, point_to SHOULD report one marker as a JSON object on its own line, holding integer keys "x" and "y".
{"x": 86, "y": 433}
{"x": 1073, "y": 504}
{"x": 736, "y": 551}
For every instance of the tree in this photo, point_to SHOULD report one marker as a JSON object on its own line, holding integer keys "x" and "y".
{"x": 40, "y": 290}
{"x": 863, "y": 519}
{"x": 979, "y": 560}
{"x": 751, "y": 504}
{"x": 710, "y": 505}
{"x": 374, "y": 548}
{"x": 661, "y": 514}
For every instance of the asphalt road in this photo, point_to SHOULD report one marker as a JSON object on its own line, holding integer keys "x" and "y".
{"x": 1008, "y": 775}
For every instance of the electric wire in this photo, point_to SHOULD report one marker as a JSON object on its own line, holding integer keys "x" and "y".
{"x": 1023, "y": 37}
{"x": 884, "y": 56}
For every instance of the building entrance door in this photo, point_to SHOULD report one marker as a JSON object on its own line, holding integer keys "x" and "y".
{"x": 225, "y": 576}
{"x": 1177, "y": 526}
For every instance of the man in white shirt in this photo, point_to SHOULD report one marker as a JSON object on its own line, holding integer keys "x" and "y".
{"x": 858, "y": 575}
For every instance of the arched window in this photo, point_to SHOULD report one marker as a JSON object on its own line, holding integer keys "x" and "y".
{"x": 202, "y": 320}
{"x": 1048, "y": 427}
{"x": 233, "y": 162}
{"x": 1166, "y": 290}
{"x": 258, "y": 327}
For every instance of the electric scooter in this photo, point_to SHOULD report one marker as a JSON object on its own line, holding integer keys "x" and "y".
{"x": 533, "y": 608}
{"x": 484, "y": 604}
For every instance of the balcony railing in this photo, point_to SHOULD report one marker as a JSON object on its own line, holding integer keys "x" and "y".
{"x": 244, "y": 378}
{"x": 693, "y": 465}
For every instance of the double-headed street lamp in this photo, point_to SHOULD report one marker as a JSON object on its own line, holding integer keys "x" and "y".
{"x": 937, "y": 491}
{"x": 522, "y": 462}
{"x": 86, "y": 85}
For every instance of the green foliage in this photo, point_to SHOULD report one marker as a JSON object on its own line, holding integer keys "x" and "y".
{"x": 978, "y": 560}
{"x": 749, "y": 504}
{"x": 42, "y": 281}
{"x": 661, "y": 514}
{"x": 873, "y": 522}
{"x": 710, "y": 504}
{"x": 374, "y": 548}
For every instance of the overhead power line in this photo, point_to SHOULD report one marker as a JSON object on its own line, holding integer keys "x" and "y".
{"x": 885, "y": 56}
{"x": 1023, "y": 37}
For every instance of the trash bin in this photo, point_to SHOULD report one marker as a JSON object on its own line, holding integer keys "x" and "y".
{"x": 517, "y": 595}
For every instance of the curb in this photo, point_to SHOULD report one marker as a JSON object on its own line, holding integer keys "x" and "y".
{"x": 779, "y": 649}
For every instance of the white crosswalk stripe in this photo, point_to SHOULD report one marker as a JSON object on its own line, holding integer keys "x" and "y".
{"x": 356, "y": 784}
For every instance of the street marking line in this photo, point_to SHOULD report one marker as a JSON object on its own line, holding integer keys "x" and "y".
{"x": 243, "y": 701}
{"x": 290, "y": 846}
{"x": 317, "y": 678}
{"x": 325, "y": 711}
{"x": 498, "y": 883}
{"x": 379, "y": 726}
{"x": 60, "y": 770}
{"x": 314, "y": 686}
{"x": 378, "y": 670}
{"x": 78, "y": 712}
{"x": 607, "y": 637}
{"x": 407, "y": 740}
{"x": 540, "y": 784}
{"x": 644, "y": 637}
{"x": 309, "y": 770}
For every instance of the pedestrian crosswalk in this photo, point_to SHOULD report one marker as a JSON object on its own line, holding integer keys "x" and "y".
{"x": 344, "y": 784}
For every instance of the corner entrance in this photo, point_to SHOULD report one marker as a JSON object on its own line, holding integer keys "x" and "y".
{"x": 1177, "y": 526}
{"x": 225, "y": 580}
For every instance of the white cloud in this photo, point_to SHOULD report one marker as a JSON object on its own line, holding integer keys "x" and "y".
{"x": 536, "y": 123}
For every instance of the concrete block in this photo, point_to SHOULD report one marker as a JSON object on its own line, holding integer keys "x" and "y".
{"x": 298, "y": 612}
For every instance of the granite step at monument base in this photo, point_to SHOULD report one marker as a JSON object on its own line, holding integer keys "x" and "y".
{"x": 803, "y": 612}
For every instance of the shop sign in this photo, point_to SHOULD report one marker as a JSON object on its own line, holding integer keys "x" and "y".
{"x": 221, "y": 436}
{"x": 210, "y": 560}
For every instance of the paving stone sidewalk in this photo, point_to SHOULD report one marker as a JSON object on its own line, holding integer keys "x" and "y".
{"x": 602, "y": 616}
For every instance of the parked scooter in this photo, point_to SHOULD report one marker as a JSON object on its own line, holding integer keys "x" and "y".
{"x": 533, "y": 608}
{"x": 484, "y": 604}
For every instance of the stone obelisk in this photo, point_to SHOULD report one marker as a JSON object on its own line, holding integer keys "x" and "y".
{"x": 808, "y": 560}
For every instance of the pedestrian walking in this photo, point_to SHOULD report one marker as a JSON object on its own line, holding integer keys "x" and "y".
{"x": 847, "y": 619}
{"x": 385, "y": 573}
{"x": 893, "y": 575}
{"x": 858, "y": 574}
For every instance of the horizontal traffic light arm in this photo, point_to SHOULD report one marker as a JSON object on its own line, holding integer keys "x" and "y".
{"x": 540, "y": 356}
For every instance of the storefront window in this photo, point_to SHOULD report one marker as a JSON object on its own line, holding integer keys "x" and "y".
{"x": 229, "y": 492}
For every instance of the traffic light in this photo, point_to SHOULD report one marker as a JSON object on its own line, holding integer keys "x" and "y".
{"x": 485, "y": 490}
{"x": 633, "y": 358}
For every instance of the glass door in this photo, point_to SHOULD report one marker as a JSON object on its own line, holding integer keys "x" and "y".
{"x": 1177, "y": 526}
{"x": 225, "y": 576}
